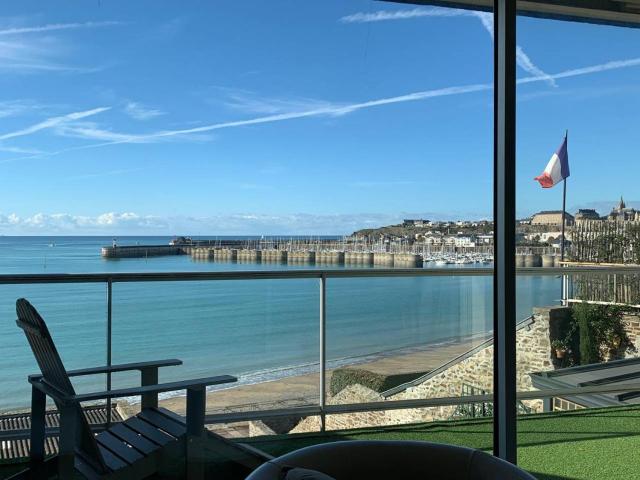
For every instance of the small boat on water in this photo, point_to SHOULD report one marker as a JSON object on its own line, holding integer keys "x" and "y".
{"x": 181, "y": 241}
{"x": 444, "y": 261}
{"x": 464, "y": 261}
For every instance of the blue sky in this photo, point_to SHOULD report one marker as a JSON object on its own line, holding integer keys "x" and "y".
{"x": 254, "y": 117}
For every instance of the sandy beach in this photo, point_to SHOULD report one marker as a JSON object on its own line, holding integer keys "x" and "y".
{"x": 304, "y": 389}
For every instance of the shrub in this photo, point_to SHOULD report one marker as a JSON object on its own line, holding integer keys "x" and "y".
{"x": 601, "y": 332}
{"x": 341, "y": 378}
{"x": 587, "y": 319}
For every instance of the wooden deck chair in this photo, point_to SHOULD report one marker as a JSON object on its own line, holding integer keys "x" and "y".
{"x": 131, "y": 449}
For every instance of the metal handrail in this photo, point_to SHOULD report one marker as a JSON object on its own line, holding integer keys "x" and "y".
{"x": 124, "y": 277}
{"x": 413, "y": 403}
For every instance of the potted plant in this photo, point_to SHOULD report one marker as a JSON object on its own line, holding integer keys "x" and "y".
{"x": 560, "y": 348}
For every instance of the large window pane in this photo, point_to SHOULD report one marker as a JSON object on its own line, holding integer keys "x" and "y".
{"x": 586, "y": 336}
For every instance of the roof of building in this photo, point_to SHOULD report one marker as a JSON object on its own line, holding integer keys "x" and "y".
{"x": 552, "y": 212}
{"x": 608, "y": 373}
{"x": 607, "y": 12}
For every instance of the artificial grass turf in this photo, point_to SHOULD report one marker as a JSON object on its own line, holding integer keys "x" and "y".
{"x": 577, "y": 445}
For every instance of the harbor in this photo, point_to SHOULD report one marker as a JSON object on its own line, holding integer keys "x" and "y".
{"x": 325, "y": 251}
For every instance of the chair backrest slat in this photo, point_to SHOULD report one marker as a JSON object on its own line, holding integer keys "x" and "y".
{"x": 55, "y": 374}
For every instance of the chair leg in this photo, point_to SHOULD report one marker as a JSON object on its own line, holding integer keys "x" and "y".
{"x": 38, "y": 406}
{"x": 37, "y": 437}
{"x": 196, "y": 405}
{"x": 68, "y": 438}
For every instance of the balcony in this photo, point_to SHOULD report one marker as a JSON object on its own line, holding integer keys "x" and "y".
{"x": 440, "y": 393}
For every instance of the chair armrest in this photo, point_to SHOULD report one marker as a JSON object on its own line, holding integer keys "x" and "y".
{"x": 45, "y": 387}
{"x": 159, "y": 388}
{"x": 123, "y": 367}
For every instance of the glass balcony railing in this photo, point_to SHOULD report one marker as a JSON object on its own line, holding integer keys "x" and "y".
{"x": 335, "y": 348}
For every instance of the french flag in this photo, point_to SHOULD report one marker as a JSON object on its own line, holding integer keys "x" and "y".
{"x": 557, "y": 168}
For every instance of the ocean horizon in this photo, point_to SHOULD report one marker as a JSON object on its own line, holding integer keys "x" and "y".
{"x": 258, "y": 330}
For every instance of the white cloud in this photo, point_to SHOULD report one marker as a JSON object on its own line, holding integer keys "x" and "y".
{"x": 577, "y": 72}
{"x": 141, "y": 112}
{"x": 522, "y": 59}
{"x": 334, "y": 110}
{"x": 248, "y": 101}
{"x": 330, "y": 110}
{"x": 34, "y": 55}
{"x": 13, "y": 108}
{"x": 56, "y": 26}
{"x": 21, "y": 52}
{"x": 131, "y": 223}
{"x": 53, "y": 122}
{"x": 21, "y": 150}
{"x": 67, "y": 223}
{"x": 385, "y": 15}
{"x": 91, "y": 131}
{"x": 485, "y": 18}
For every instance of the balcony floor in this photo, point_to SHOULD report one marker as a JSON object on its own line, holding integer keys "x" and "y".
{"x": 576, "y": 445}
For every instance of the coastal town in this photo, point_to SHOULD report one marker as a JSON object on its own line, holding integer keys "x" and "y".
{"x": 542, "y": 229}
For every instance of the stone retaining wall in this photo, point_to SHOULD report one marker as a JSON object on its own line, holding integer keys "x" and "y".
{"x": 533, "y": 347}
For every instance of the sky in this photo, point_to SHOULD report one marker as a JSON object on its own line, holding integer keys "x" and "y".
{"x": 289, "y": 117}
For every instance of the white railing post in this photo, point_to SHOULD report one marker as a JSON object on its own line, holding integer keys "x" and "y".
{"x": 109, "y": 342}
{"x": 323, "y": 365}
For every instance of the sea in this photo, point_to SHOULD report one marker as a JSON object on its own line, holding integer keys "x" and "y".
{"x": 258, "y": 330}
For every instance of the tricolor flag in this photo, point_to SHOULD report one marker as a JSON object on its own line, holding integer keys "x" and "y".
{"x": 557, "y": 168}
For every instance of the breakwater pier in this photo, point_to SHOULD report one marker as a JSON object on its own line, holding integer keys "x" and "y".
{"x": 322, "y": 257}
{"x": 323, "y": 252}
{"x": 187, "y": 247}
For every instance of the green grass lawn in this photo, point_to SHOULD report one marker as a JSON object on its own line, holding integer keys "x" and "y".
{"x": 582, "y": 444}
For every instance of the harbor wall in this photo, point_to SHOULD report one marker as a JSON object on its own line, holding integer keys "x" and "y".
{"x": 400, "y": 260}
{"x": 301, "y": 257}
{"x": 140, "y": 251}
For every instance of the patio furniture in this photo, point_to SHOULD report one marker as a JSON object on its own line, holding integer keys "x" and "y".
{"x": 389, "y": 460}
{"x": 131, "y": 449}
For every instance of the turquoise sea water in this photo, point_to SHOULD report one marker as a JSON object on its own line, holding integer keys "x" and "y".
{"x": 256, "y": 329}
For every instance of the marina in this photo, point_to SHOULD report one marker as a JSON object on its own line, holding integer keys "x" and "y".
{"x": 327, "y": 251}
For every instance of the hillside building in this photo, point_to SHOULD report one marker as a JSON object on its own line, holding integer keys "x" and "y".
{"x": 552, "y": 218}
{"x": 622, "y": 213}
{"x": 587, "y": 214}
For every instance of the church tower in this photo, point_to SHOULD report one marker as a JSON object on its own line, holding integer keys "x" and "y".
{"x": 621, "y": 205}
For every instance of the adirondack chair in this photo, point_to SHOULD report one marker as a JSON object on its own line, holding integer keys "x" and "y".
{"x": 131, "y": 449}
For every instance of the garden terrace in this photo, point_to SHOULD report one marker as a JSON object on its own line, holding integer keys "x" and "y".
{"x": 553, "y": 446}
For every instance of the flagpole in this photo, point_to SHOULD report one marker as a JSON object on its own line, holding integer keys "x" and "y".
{"x": 564, "y": 206}
{"x": 564, "y": 203}
{"x": 564, "y": 286}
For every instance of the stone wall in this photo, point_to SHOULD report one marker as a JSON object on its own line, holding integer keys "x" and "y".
{"x": 352, "y": 394}
{"x": 533, "y": 347}
{"x": 534, "y": 354}
{"x": 632, "y": 323}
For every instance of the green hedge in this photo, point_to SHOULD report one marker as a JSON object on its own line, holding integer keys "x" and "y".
{"x": 341, "y": 378}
